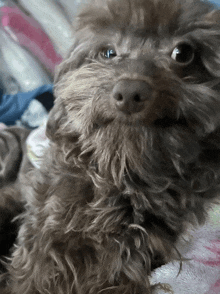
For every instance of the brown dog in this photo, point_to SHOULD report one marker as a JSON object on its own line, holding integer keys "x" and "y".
{"x": 134, "y": 156}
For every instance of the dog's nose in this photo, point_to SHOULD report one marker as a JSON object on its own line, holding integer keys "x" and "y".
{"x": 130, "y": 95}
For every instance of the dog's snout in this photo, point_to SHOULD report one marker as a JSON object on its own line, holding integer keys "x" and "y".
{"x": 130, "y": 95}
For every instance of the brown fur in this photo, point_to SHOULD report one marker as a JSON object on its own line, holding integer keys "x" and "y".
{"x": 116, "y": 191}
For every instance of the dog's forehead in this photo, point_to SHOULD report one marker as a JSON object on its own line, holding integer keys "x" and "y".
{"x": 142, "y": 17}
{"x": 139, "y": 26}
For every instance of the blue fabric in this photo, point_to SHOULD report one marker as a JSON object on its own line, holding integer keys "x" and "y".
{"x": 215, "y": 1}
{"x": 13, "y": 106}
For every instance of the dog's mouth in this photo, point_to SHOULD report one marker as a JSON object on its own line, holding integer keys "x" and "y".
{"x": 165, "y": 122}
{"x": 168, "y": 122}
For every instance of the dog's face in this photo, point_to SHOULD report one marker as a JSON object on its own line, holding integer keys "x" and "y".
{"x": 139, "y": 91}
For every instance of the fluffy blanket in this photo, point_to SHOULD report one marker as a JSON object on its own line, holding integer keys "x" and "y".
{"x": 200, "y": 269}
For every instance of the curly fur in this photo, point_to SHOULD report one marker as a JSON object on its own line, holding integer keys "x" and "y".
{"x": 115, "y": 191}
{"x": 12, "y": 142}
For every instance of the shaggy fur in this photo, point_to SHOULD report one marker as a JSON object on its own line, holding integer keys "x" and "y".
{"x": 12, "y": 145}
{"x": 120, "y": 182}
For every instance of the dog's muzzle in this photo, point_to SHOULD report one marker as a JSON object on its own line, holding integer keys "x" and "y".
{"x": 133, "y": 92}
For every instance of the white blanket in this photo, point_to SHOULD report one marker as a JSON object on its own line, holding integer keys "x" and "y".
{"x": 200, "y": 274}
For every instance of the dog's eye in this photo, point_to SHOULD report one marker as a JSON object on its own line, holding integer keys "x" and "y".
{"x": 108, "y": 53}
{"x": 183, "y": 53}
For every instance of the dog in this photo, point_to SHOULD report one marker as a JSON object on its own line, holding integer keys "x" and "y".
{"x": 134, "y": 153}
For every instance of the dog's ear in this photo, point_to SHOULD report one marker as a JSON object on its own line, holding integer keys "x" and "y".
{"x": 213, "y": 17}
{"x": 209, "y": 39}
{"x": 57, "y": 122}
{"x": 76, "y": 56}
{"x": 56, "y": 119}
{"x": 83, "y": 40}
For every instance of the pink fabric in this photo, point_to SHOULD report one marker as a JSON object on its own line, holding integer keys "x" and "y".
{"x": 200, "y": 272}
{"x": 214, "y": 256}
{"x": 215, "y": 289}
{"x": 215, "y": 248}
{"x": 29, "y": 34}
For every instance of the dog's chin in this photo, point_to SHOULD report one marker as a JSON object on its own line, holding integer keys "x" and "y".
{"x": 125, "y": 142}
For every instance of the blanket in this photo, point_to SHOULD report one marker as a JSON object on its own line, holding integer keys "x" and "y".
{"x": 199, "y": 272}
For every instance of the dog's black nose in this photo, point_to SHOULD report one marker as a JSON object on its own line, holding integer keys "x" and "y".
{"x": 130, "y": 95}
